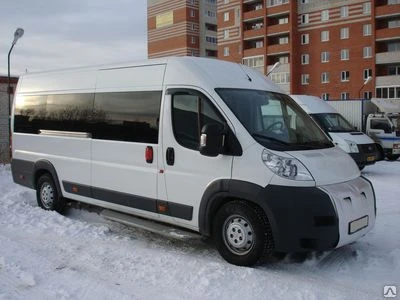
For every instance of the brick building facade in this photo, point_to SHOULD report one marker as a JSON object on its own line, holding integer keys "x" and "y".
{"x": 4, "y": 119}
{"x": 326, "y": 48}
{"x": 181, "y": 27}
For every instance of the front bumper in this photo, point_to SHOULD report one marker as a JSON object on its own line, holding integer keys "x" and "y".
{"x": 319, "y": 218}
{"x": 367, "y": 154}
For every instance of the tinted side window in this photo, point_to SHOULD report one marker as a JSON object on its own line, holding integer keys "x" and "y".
{"x": 127, "y": 116}
{"x": 66, "y": 112}
{"x": 187, "y": 121}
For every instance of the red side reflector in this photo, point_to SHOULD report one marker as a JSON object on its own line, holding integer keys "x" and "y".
{"x": 149, "y": 154}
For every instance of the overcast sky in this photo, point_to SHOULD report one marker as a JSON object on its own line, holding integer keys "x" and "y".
{"x": 69, "y": 33}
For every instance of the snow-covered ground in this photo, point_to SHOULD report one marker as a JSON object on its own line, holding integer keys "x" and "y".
{"x": 44, "y": 255}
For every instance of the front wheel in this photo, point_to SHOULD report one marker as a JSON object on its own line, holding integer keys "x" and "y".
{"x": 47, "y": 194}
{"x": 242, "y": 233}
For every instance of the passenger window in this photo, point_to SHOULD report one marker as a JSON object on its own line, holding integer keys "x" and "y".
{"x": 190, "y": 112}
{"x": 127, "y": 116}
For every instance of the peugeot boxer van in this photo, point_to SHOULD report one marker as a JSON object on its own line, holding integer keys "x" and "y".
{"x": 209, "y": 146}
{"x": 360, "y": 146}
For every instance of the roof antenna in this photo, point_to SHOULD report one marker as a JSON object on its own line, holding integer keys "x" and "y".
{"x": 248, "y": 77}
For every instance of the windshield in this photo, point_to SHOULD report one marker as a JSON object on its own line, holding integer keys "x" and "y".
{"x": 274, "y": 120}
{"x": 396, "y": 122}
{"x": 333, "y": 122}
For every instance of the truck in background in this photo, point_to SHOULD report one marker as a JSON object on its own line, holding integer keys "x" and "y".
{"x": 357, "y": 144}
{"x": 378, "y": 118}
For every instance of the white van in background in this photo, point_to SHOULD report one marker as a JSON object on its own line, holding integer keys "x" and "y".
{"x": 209, "y": 146}
{"x": 360, "y": 146}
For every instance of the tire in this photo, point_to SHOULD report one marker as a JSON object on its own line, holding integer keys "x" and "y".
{"x": 392, "y": 157}
{"x": 47, "y": 195}
{"x": 242, "y": 233}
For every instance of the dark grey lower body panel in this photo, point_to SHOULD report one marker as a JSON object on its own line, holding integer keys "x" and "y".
{"x": 138, "y": 202}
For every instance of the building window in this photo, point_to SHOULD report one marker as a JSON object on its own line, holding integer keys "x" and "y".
{"x": 283, "y": 40}
{"x": 284, "y": 20}
{"x": 324, "y": 77}
{"x": 305, "y": 79}
{"x": 367, "y": 73}
{"x": 344, "y": 11}
{"x": 277, "y": 2}
{"x": 255, "y": 62}
{"x": 211, "y": 39}
{"x": 284, "y": 59}
{"x": 367, "y": 52}
{"x": 367, "y": 95}
{"x": 394, "y": 70}
{"x": 192, "y": 13}
{"x": 305, "y": 59}
{"x": 226, "y": 34}
{"x": 394, "y": 23}
{"x": 193, "y": 40}
{"x": 226, "y": 16}
{"x": 281, "y": 77}
{"x": 259, "y": 44}
{"x": 305, "y": 38}
{"x": 367, "y": 29}
{"x": 226, "y": 1}
{"x": 344, "y": 96}
{"x": 324, "y": 36}
{"x": 305, "y": 1}
{"x": 393, "y": 46}
{"x": 325, "y": 96}
{"x": 226, "y": 51}
{"x": 345, "y": 76}
{"x": 325, "y": 56}
{"x": 367, "y": 8}
{"x": 305, "y": 18}
{"x": 344, "y": 54}
{"x": 325, "y": 15}
{"x": 344, "y": 33}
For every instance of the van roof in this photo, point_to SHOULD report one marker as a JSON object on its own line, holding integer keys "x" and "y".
{"x": 188, "y": 71}
{"x": 312, "y": 104}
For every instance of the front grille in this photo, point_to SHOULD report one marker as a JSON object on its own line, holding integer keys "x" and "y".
{"x": 367, "y": 148}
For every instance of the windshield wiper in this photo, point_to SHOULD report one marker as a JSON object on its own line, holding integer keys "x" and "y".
{"x": 315, "y": 144}
{"x": 257, "y": 135}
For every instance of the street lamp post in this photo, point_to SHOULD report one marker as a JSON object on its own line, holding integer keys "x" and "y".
{"x": 17, "y": 35}
{"x": 369, "y": 78}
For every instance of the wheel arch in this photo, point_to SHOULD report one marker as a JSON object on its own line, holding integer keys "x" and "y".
{"x": 42, "y": 167}
{"x": 225, "y": 190}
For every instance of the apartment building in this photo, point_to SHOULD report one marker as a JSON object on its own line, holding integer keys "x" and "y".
{"x": 326, "y": 48}
{"x": 182, "y": 28}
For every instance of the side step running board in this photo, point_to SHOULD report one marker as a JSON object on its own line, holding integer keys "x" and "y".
{"x": 164, "y": 230}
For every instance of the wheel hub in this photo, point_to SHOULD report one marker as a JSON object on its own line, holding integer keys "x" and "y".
{"x": 238, "y": 235}
{"x": 47, "y": 195}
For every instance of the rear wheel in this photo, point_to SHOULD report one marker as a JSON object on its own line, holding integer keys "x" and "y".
{"x": 392, "y": 157}
{"x": 242, "y": 233}
{"x": 47, "y": 194}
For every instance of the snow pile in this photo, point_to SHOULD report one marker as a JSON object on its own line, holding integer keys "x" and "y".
{"x": 44, "y": 255}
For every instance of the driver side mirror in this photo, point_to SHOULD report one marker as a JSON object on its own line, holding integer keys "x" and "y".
{"x": 212, "y": 139}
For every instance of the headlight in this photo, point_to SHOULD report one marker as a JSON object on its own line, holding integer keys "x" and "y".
{"x": 352, "y": 146}
{"x": 286, "y": 167}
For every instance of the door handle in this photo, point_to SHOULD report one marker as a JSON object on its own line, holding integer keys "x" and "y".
{"x": 170, "y": 156}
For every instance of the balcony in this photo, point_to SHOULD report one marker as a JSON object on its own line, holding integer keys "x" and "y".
{"x": 387, "y": 57}
{"x": 391, "y": 80}
{"x": 253, "y": 15}
{"x": 387, "y": 10}
{"x": 279, "y": 28}
{"x": 387, "y": 34}
{"x": 278, "y": 9}
{"x": 253, "y": 52}
{"x": 277, "y": 48}
{"x": 253, "y": 33}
